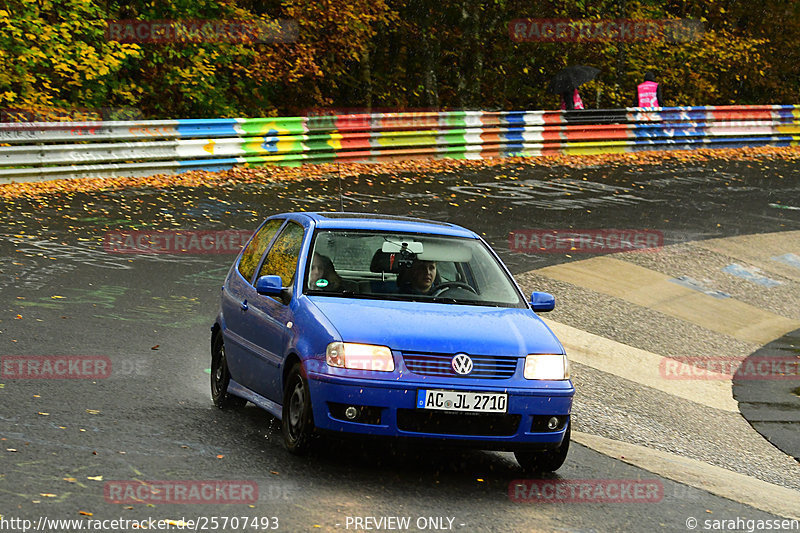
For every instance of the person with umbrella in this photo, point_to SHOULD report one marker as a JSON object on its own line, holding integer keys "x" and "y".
{"x": 566, "y": 83}
{"x": 571, "y": 100}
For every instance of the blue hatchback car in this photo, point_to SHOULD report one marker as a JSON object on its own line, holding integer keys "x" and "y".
{"x": 390, "y": 326}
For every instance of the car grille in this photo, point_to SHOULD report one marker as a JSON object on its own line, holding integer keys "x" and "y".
{"x": 448, "y": 423}
{"x": 438, "y": 364}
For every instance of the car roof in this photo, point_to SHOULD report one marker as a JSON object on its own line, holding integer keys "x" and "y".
{"x": 377, "y": 222}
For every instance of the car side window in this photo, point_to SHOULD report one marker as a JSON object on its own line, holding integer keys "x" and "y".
{"x": 282, "y": 257}
{"x": 255, "y": 249}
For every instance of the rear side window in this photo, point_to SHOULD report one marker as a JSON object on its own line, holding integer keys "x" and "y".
{"x": 255, "y": 249}
{"x": 282, "y": 257}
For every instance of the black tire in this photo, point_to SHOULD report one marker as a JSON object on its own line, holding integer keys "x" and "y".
{"x": 221, "y": 376}
{"x": 298, "y": 420}
{"x": 544, "y": 461}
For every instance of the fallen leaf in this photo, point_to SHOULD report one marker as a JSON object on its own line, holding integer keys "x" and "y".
{"x": 93, "y": 411}
{"x": 95, "y": 478}
{"x": 85, "y": 513}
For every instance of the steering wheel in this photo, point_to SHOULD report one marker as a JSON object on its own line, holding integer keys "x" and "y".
{"x": 451, "y": 285}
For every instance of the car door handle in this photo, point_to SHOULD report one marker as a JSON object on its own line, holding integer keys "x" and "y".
{"x": 244, "y": 305}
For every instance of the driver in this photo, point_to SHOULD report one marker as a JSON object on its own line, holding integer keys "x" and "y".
{"x": 420, "y": 278}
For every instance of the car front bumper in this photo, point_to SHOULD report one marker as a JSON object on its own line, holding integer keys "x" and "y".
{"x": 389, "y": 409}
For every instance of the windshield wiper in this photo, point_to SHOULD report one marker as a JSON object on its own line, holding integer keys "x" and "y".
{"x": 441, "y": 299}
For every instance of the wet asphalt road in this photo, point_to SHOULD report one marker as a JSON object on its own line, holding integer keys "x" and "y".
{"x": 152, "y": 418}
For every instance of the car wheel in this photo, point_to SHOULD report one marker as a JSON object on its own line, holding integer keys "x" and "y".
{"x": 546, "y": 461}
{"x": 221, "y": 377}
{"x": 298, "y": 421}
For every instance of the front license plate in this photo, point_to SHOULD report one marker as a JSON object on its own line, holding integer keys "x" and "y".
{"x": 475, "y": 402}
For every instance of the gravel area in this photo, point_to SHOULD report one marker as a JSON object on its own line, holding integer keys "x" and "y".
{"x": 706, "y": 267}
{"x": 620, "y": 409}
{"x": 632, "y": 324}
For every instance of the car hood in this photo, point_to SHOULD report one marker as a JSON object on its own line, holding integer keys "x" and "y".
{"x": 439, "y": 328}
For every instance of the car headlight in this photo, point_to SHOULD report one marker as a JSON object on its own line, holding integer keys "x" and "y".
{"x": 546, "y": 366}
{"x": 359, "y": 356}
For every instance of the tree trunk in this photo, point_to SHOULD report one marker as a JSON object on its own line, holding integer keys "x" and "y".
{"x": 366, "y": 79}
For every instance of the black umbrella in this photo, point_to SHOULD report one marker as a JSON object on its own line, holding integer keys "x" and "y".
{"x": 571, "y": 78}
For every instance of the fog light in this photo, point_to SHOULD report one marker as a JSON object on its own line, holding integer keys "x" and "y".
{"x": 552, "y": 423}
{"x": 351, "y": 413}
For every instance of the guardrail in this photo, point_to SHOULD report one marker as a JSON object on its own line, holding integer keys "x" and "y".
{"x": 56, "y": 150}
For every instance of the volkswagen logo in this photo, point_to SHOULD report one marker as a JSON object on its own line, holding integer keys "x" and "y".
{"x": 461, "y": 364}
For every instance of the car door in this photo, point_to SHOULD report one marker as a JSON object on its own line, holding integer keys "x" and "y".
{"x": 270, "y": 317}
{"x": 237, "y": 293}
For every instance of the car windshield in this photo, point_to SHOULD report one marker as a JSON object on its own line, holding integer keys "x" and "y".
{"x": 407, "y": 266}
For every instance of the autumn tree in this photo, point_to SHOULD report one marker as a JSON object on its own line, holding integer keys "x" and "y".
{"x": 379, "y": 54}
{"x": 54, "y": 55}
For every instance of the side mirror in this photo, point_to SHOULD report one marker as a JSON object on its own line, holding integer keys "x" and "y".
{"x": 269, "y": 285}
{"x": 542, "y": 301}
